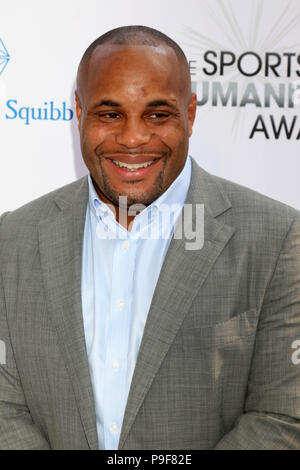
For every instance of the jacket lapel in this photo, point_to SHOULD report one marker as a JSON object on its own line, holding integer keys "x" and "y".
{"x": 181, "y": 277}
{"x": 60, "y": 238}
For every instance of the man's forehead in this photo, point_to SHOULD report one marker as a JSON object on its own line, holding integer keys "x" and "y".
{"x": 112, "y": 58}
{"x": 106, "y": 54}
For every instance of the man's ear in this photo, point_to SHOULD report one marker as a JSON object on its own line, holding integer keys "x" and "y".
{"x": 192, "y": 108}
{"x": 78, "y": 108}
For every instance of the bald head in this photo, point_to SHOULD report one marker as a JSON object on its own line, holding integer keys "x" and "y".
{"x": 134, "y": 105}
{"x": 135, "y": 36}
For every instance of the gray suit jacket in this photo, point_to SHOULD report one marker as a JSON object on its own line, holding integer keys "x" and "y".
{"x": 215, "y": 367}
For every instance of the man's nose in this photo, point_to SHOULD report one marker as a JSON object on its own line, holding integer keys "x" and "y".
{"x": 134, "y": 132}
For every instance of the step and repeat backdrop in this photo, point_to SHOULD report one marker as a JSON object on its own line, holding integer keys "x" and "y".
{"x": 244, "y": 61}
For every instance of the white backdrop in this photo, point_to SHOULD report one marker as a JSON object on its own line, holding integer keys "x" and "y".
{"x": 247, "y": 127}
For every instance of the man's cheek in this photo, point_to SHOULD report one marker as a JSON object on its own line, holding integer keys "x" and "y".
{"x": 88, "y": 146}
{"x": 172, "y": 135}
{"x": 97, "y": 135}
{"x": 90, "y": 138}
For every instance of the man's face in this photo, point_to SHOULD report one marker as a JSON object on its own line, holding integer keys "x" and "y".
{"x": 134, "y": 108}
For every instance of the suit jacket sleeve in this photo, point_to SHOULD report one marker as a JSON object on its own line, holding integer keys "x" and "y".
{"x": 271, "y": 418}
{"x": 17, "y": 430}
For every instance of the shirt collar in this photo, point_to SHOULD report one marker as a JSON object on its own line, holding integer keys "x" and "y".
{"x": 174, "y": 195}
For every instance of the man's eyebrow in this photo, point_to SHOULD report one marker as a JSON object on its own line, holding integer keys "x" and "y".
{"x": 152, "y": 104}
{"x": 107, "y": 103}
{"x": 158, "y": 103}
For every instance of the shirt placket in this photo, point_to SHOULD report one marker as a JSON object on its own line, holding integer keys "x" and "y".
{"x": 118, "y": 332}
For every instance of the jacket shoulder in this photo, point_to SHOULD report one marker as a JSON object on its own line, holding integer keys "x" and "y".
{"x": 20, "y": 226}
{"x": 247, "y": 202}
{"x": 45, "y": 205}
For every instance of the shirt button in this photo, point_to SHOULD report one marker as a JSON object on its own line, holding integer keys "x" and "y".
{"x": 115, "y": 364}
{"x": 125, "y": 245}
{"x": 113, "y": 427}
{"x": 121, "y": 304}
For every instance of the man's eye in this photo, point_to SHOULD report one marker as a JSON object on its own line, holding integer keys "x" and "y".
{"x": 159, "y": 115}
{"x": 109, "y": 115}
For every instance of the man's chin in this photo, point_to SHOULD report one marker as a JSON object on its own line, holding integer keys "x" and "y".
{"x": 138, "y": 196}
{"x": 126, "y": 200}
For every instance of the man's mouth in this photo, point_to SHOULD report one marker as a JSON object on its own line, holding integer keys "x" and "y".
{"x": 132, "y": 171}
{"x": 132, "y": 166}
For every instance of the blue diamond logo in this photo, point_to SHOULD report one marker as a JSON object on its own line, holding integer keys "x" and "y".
{"x": 4, "y": 57}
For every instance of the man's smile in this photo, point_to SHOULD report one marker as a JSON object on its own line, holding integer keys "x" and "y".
{"x": 132, "y": 171}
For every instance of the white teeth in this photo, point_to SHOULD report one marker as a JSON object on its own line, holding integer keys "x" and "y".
{"x": 132, "y": 166}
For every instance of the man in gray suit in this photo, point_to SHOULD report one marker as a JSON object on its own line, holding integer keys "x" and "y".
{"x": 136, "y": 343}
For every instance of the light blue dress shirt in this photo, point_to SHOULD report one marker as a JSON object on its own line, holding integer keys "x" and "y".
{"x": 120, "y": 270}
